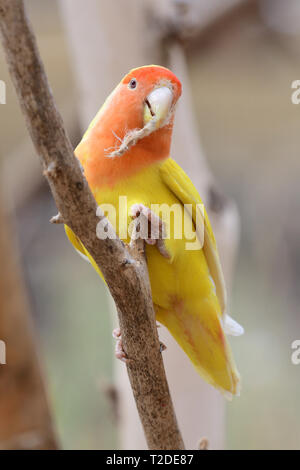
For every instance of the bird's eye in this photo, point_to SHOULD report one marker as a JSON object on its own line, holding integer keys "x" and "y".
{"x": 132, "y": 84}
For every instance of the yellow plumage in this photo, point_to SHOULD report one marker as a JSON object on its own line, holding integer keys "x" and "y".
{"x": 188, "y": 289}
{"x": 125, "y": 153}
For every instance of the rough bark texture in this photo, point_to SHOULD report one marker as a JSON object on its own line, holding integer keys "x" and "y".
{"x": 97, "y": 42}
{"x": 25, "y": 421}
{"x": 125, "y": 271}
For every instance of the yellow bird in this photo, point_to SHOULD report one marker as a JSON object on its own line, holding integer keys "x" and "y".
{"x": 125, "y": 156}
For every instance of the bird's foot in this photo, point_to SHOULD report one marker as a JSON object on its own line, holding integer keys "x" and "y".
{"x": 119, "y": 351}
{"x": 149, "y": 227}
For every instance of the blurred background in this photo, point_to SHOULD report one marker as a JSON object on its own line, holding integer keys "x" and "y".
{"x": 237, "y": 60}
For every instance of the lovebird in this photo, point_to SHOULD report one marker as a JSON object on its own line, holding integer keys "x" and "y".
{"x": 125, "y": 155}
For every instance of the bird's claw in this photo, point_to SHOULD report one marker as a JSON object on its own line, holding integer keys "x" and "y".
{"x": 119, "y": 351}
{"x": 149, "y": 227}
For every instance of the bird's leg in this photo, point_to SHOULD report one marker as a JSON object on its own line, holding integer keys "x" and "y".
{"x": 119, "y": 351}
{"x": 150, "y": 227}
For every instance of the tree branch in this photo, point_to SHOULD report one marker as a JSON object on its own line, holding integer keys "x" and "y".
{"x": 128, "y": 282}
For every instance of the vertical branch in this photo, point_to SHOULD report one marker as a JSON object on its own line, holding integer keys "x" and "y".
{"x": 124, "y": 270}
{"x": 25, "y": 421}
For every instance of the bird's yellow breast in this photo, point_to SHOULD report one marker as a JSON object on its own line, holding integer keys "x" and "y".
{"x": 185, "y": 275}
{"x": 184, "y": 286}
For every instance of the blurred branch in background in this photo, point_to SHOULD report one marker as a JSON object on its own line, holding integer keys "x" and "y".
{"x": 187, "y": 19}
{"x": 25, "y": 419}
{"x": 281, "y": 16}
{"x": 106, "y": 40}
{"x": 124, "y": 269}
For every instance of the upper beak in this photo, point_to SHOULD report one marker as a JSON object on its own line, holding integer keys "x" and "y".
{"x": 158, "y": 105}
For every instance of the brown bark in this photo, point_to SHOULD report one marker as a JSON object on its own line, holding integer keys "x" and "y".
{"x": 25, "y": 421}
{"x": 124, "y": 270}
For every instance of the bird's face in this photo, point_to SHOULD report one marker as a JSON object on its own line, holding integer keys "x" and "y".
{"x": 133, "y": 129}
{"x": 152, "y": 93}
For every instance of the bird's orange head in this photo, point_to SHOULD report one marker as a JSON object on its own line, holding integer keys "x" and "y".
{"x": 133, "y": 128}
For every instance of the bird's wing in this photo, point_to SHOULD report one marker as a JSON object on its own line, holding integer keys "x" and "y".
{"x": 79, "y": 247}
{"x": 182, "y": 187}
{"x": 75, "y": 241}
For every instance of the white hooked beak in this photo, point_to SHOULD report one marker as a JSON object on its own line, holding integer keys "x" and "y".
{"x": 158, "y": 106}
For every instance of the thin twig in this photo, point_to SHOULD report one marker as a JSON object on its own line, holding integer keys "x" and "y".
{"x": 128, "y": 282}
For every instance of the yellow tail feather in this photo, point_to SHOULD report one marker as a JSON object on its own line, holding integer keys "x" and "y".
{"x": 203, "y": 340}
